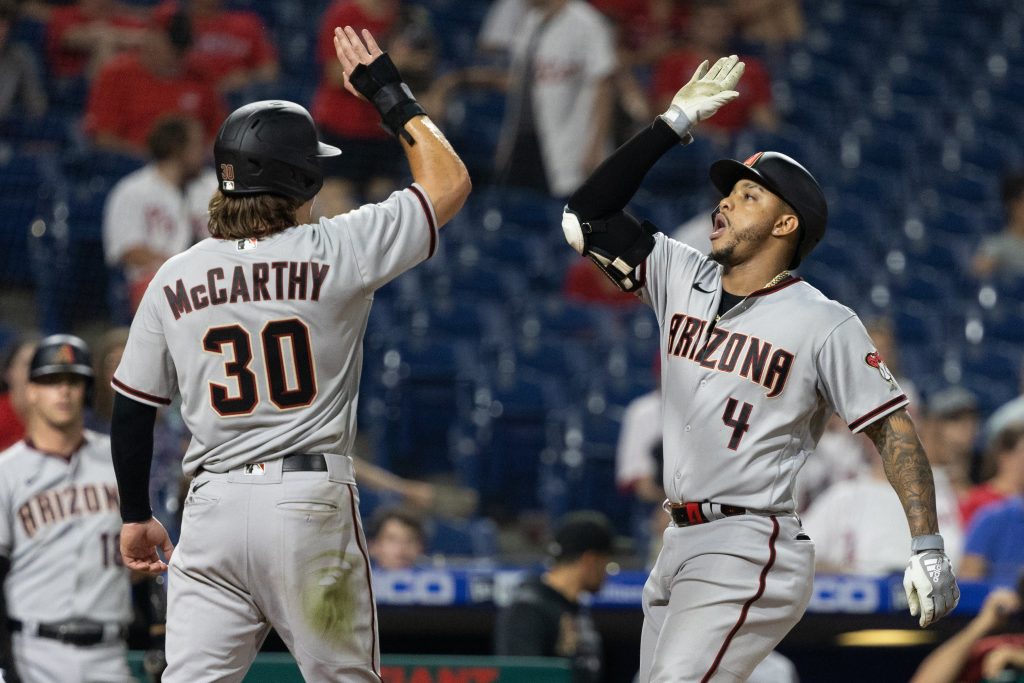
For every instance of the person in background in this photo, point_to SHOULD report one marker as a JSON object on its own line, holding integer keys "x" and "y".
{"x": 161, "y": 209}
{"x": 638, "y": 473}
{"x": 545, "y": 617}
{"x": 82, "y": 36}
{"x": 396, "y": 538}
{"x": 949, "y": 434}
{"x": 371, "y": 164}
{"x": 132, "y": 92}
{"x": 993, "y": 551}
{"x": 21, "y": 90}
{"x": 557, "y": 125}
{"x": 710, "y": 34}
{"x": 768, "y": 25}
{"x": 1002, "y": 472}
{"x": 973, "y": 655}
{"x": 1003, "y": 254}
{"x": 231, "y": 48}
{"x": 13, "y": 385}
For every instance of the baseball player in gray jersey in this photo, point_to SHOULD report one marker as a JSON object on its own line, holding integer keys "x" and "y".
{"x": 754, "y": 362}
{"x": 260, "y": 330}
{"x": 66, "y": 597}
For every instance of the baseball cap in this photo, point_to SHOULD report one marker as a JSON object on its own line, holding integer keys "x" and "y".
{"x": 952, "y": 401}
{"x": 785, "y": 177}
{"x": 582, "y": 531}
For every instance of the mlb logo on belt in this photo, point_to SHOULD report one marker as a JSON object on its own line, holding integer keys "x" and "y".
{"x": 256, "y": 469}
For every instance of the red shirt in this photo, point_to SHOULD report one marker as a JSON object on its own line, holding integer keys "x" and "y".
{"x": 225, "y": 42}
{"x": 126, "y": 99}
{"x": 584, "y": 283}
{"x": 978, "y": 497}
{"x": 972, "y": 671}
{"x": 65, "y": 61}
{"x": 11, "y": 428}
{"x": 637, "y": 25}
{"x": 675, "y": 69}
{"x": 334, "y": 108}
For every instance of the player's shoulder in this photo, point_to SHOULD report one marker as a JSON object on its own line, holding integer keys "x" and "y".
{"x": 580, "y": 11}
{"x": 140, "y": 180}
{"x": 814, "y": 302}
{"x": 15, "y": 459}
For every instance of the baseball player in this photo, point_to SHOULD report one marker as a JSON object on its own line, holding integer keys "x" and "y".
{"x": 260, "y": 331}
{"x": 754, "y": 362}
{"x": 66, "y": 598}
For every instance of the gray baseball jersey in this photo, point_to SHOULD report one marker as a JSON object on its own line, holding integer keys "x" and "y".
{"x": 60, "y": 524}
{"x": 263, "y": 338}
{"x": 747, "y": 397}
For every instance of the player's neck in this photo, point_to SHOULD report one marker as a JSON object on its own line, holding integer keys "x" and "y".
{"x": 565, "y": 581}
{"x": 746, "y": 278}
{"x": 48, "y": 438}
{"x": 171, "y": 171}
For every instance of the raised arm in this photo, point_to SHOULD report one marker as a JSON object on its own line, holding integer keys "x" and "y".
{"x": 929, "y": 581}
{"x": 370, "y": 74}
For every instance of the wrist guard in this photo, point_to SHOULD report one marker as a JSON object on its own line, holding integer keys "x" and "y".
{"x": 920, "y": 544}
{"x": 381, "y": 84}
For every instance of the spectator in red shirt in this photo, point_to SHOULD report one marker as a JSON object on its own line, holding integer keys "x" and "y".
{"x": 133, "y": 91}
{"x": 710, "y": 34}
{"x": 13, "y": 404}
{"x": 82, "y": 36}
{"x": 1003, "y": 472}
{"x": 230, "y": 48}
{"x": 584, "y": 283}
{"x": 370, "y": 158}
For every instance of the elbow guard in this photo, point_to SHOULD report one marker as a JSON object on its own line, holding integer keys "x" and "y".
{"x": 617, "y": 244}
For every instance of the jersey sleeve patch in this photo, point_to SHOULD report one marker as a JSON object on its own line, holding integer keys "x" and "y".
{"x": 138, "y": 395}
{"x": 881, "y": 411}
{"x": 427, "y": 209}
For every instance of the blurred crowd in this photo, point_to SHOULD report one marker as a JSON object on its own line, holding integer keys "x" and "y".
{"x": 148, "y": 84}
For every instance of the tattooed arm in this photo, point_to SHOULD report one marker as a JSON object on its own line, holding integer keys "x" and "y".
{"x": 929, "y": 581}
{"x": 907, "y": 469}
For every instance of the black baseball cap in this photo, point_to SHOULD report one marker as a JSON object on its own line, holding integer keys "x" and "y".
{"x": 785, "y": 177}
{"x": 580, "y": 532}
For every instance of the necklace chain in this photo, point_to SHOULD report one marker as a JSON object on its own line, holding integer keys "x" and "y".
{"x": 771, "y": 283}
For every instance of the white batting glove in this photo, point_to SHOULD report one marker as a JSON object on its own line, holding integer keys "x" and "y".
{"x": 708, "y": 91}
{"x": 929, "y": 582}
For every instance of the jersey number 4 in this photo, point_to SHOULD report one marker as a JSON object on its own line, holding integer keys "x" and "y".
{"x": 292, "y": 389}
{"x": 740, "y": 424}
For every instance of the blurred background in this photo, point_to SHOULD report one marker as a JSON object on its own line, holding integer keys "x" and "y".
{"x": 504, "y": 384}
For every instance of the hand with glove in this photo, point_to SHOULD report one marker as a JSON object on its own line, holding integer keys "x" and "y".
{"x": 929, "y": 582}
{"x": 708, "y": 91}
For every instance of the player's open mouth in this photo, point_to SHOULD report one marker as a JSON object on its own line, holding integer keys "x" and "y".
{"x": 718, "y": 226}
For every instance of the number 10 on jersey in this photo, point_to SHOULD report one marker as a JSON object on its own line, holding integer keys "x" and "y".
{"x": 284, "y": 392}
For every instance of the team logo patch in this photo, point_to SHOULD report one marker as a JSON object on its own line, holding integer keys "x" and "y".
{"x": 227, "y": 175}
{"x": 255, "y": 469}
{"x": 65, "y": 355}
{"x": 874, "y": 359}
{"x": 752, "y": 159}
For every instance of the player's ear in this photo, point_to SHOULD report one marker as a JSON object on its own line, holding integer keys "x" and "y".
{"x": 786, "y": 223}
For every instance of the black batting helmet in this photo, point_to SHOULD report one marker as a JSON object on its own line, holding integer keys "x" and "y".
{"x": 786, "y": 178}
{"x": 270, "y": 146}
{"x": 61, "y": 354}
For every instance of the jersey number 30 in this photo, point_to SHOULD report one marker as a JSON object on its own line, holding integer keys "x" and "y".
{"x": 285, "y": 392}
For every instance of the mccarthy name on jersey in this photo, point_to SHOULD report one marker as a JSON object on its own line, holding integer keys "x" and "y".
{"x": 258, "y": 281}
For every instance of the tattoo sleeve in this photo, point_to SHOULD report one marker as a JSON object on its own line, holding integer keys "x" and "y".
{"x": 907, "y": 469}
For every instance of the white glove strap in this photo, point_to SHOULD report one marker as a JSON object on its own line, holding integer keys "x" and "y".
{"x": 678, "y": 121}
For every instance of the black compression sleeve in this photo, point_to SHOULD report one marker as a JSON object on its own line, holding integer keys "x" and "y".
{"x": 6, "y": 646}
{"x": 131, "y": 445}
{"x": 613, "y": 184}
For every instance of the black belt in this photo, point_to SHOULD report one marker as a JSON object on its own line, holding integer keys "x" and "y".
{"x": 304, "y": 462}
{"x": 688, "y": 514}
{"x": 73, "y": 632}
{"x": 296, "y": 462}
